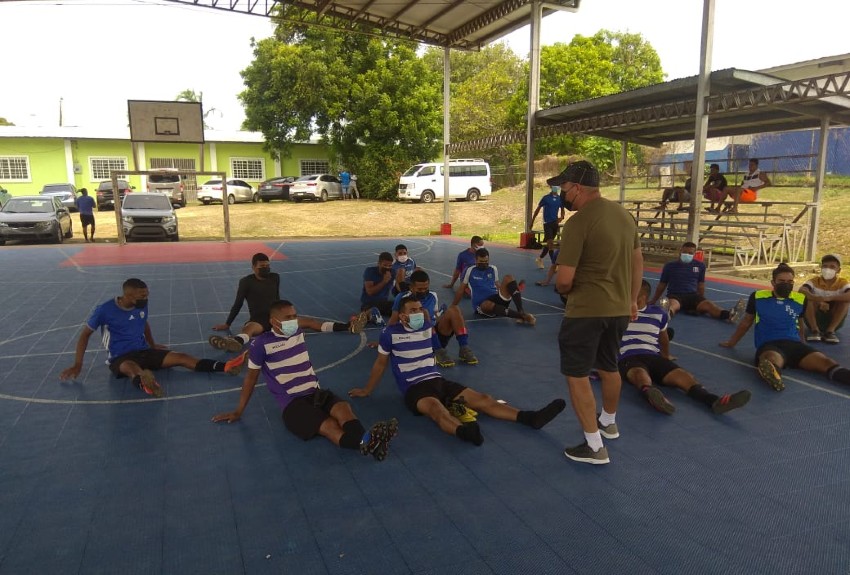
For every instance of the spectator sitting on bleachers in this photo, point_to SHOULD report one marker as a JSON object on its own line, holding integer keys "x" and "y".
{"x": 714, "y": 189}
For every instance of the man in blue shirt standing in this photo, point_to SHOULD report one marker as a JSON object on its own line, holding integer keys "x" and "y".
{"x": 345, "y": 181}
{"x": 377, "y": 283}
{"x": 133, "y": 353}
{"x": 553, "y": 214}
{"x": 85, "y": 203}
{"x": 776, "y": 313}
{"x": 684, "y": 280}
{"x": 407, "y": 345}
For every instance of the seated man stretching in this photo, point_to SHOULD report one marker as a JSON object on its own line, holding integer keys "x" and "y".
{"x": 489, "y": 297}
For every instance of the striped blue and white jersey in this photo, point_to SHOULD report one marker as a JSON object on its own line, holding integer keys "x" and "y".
{"x": 642, "y": 334}
{"x": 411, "y": 354}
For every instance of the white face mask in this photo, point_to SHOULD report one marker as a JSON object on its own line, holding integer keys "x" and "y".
{"x": 402, "y": 259}
{"x": 827, "y": 273}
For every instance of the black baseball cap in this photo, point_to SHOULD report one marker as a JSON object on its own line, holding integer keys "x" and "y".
{"x": 582, "y": 173}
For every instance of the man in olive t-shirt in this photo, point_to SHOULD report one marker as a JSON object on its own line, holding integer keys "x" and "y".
{"x": 600, "y": 270}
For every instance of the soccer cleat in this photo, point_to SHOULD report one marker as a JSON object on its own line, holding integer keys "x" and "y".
{"x": 769, "y": 373}
{"x": 460, "y": 411}
{"x": 730, "y": 401}
{"x": 376, "y": 441}
{"x": 358, "y": 322}
{"x": 584, "y": 454}
{"x": 147, "y": 383}
{"x": 228, "y": 344}
{"x": 234, "y": 366}
{"x": 830, "y": 337}
{"x": 441, "y": 356}
{"x": 466, "y": 356}
{"x": 527, "y": 319}
{"x": 736, "y": 312}
{"x": 657, "y": 400}
{"x": 814, "y": 336}
{"x": 610, "y": 431}
{"x": 539, "y": 263}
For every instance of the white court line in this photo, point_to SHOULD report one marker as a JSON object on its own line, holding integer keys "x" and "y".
{"x": 331, "y": 365}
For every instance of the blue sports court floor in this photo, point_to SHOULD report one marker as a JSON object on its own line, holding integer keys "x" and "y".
{"x": 95, "y": 477}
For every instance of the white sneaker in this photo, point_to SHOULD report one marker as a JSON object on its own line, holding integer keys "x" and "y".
{"x": 539, "y": 263}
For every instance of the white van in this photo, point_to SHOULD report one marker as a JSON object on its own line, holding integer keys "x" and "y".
{"x": 469, "y": 179}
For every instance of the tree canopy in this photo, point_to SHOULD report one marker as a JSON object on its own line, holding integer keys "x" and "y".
{"x": 5, "y": 122}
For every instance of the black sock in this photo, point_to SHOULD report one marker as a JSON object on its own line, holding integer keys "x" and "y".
{"x": 208, "y": 365}
{"x": 539, "y": 418}
{"x": 724, "y": 314}
{"x": 137, "y": 381}
{"x": 839, "y": 374}
{"x": 544, "y": 252}
{"x": 341, "y": 326}
{"x": 699, "y": 393}
{"x": 470, "y": 432}
{"x": 670, "y": 333}
{"x": 352, "y": 434}
{"x": 516, "y": 296}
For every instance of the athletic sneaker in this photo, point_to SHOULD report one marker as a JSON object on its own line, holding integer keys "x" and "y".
{"x": 584, "y": 454}
{"x": 459, "y": 409}
{"x": 234, "y": 366}
{"x": 375, "y": 316}
{"x": 769, "y": 373}
{"x": 730, "y": 401}
{"x": 466, "y": 356}
{"x": 441, "y": 356}
{"x": 228, "y": 344}
{"x": 609, "y": 431}
{"x": 657, "y": 400}
{"x": 814, "y": 336}
{"x": 736, "y": 312}
{"x": 539, "y": 263}
{"x": 146, "y": 381}
{"x": 377, "y": 440}
{"x": 358, "y": 322}
{"x": 527, "y": 319}
{"x": 830, "y": 337}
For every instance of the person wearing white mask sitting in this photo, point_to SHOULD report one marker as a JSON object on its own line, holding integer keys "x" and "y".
{"x": 403, "y": 266}
{"x": 829, "y": 294}
{"x": 684, "y": 280}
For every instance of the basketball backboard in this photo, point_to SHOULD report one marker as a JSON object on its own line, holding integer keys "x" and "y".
{"x": 152, "y": 121}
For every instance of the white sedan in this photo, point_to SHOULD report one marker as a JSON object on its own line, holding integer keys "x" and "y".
{"x": 237, "y": 191}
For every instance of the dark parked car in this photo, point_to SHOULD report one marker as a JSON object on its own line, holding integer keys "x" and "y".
{"x": 35, "y": 218}
{"x": 66, "y": 193}
{"x": 149, "y": 215}
{"x": 275, "y": 188}
{"x": 104, "y": 193}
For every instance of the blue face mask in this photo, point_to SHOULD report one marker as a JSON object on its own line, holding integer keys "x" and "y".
{"x": 289, "y": 327}
{"x": 416, "y": 320}
{"x": 686, "y": 258}
{"x": 555, "y": 189}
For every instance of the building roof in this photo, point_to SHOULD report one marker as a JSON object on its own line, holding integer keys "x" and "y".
{"x": 106, "y": 133}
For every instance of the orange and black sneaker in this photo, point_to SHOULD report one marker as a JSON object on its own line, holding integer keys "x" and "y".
{"x": 146, "y": 381}
{"x": 234, "y": 366}
{"x": 730, "y": 401}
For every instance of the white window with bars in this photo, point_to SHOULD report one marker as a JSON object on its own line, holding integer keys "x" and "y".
{"x": 15, "y": 169}
{"x": 101, "y": 167}
{"x": 248, "y": 169}
{"x": 309, "y": 167}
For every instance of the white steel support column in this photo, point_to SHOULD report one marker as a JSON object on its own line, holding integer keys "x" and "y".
{"x": 814, "y": 222}
{"x": 624, "y": 162}
{"x": 447, "y": 92}
{"x": 69, "y": 161}
{"x": 533, "y": 107}
{"x": 701, "y": 127}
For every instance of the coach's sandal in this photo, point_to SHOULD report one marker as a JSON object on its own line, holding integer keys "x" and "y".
{"x": 730, "y": 401}
{"x": 830, "y": 337}
{"x": 146, "y": 381}
{"x": 769, "y": 373}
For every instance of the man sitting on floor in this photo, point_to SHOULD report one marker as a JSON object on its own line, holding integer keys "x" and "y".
{"x": 829, "y": 296}
{"x": 779, "y": 336}
{"x": 491, "y": 298}
{"x": 645, "y": 359}
{"x": 684, "y": 280}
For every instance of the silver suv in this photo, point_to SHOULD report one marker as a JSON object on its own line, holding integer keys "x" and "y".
{"x": 168, "y": 183}
{"x": 148, "y": 215}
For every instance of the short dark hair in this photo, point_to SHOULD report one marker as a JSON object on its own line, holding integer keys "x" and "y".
{"x": 400, "y": 247}
{"x": 84, "y": 191}
{"x": 482, "y": 253}
{"x": 134, "y": 283}
{"x": 404, "y": 301}
{"x": 712, "y": 166}
{"x": 831, "y": 258}
{"x": 385, "y": 257}
{"x": 476, "y": 240}
{"x": 782, "y": 269}
{"x": 419, "y": 276}
{"x": 645, "y": 287}
{"x": 689, "y": 245}
{"x": 755, "y": 161}
{"x": 259, "y": 257}
{"x": 279, "y": 305}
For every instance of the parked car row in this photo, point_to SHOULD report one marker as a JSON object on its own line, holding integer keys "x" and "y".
{"x": 39, "y": 217}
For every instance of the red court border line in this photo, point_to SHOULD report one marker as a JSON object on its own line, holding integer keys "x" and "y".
{"x": 169, "y": 253}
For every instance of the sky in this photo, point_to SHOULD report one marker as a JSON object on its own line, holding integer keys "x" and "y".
{"x": 94, "y": 55}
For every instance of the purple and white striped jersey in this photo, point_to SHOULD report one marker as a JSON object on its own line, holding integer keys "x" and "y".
{"x": 285, "y": 364}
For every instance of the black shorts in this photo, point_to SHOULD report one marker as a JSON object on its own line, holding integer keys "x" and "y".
{"x": 590, "y": 342}
{"x": 792, "y": 352}
{"x": 267, "y": 326}
{"x": 305, "y": 414}
{"x": 438, "y": 387}
{"x": 146, "y": 358}
{"x": 497, "y": 299}
{"x": 688, "y": 301}
{"x": 550, "y": 230}
{"x": 87, "y": 219}
{"x": 656, "y": 366}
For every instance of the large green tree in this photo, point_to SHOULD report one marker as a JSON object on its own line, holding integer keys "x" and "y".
{"x": 372, "y": 100}
{"x": 5, "y": 122}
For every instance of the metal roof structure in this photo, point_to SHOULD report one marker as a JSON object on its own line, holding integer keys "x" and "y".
{"x": 741, "y": 102}
{"x": 458, "y": 24}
